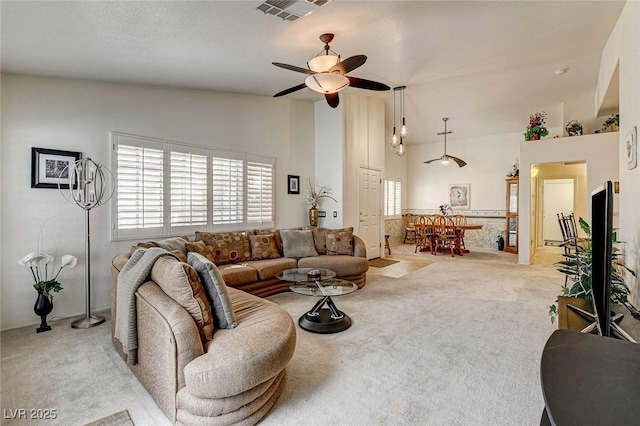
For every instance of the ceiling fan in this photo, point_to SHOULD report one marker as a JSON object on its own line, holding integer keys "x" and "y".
{"x": 445, "y": 158}
{"x": 327, "y": 74}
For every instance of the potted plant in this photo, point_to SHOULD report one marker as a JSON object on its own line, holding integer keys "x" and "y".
{"x": 536, "y": 129}
{"x": 577, "y": 290}
{"x": 45, "y": 282}
{"x": 613, "y": 123}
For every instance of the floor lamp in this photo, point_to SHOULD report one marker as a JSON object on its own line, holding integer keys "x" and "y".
{"x": 90, "y": 192}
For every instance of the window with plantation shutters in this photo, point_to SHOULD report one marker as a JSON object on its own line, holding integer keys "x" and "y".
{"x": 392, "y": 198}
{"x": 227, "y": 201}
{"x": 139, "y": 196}
{"x": 188, "y": 180}
{"x": 259, "y": 192}
{"x": 166, "y": 188}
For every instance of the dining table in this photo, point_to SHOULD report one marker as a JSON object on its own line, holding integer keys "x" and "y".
{"x": 458, "y": 229}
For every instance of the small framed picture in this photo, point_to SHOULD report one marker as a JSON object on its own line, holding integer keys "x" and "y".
{"x": 459, "y": 196}
{"x": 293, "y": 184}
{"x": 631, "y": 146}
{"x": 50, "y": 167}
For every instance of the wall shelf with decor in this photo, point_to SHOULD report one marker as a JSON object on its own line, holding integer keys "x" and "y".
{"x": 511, "y": 231}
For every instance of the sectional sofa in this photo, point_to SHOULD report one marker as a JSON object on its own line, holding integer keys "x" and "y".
{"x": 235, "y": 375}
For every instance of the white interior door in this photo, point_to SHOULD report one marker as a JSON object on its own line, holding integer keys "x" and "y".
{"x": 557, "y": 198}
{"x": 369, "y": 197}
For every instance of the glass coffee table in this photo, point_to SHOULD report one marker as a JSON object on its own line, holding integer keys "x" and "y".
{"x": 317, "y": 282}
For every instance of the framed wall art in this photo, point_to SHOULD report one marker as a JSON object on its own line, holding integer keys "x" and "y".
{"x": 459, "y": 196}
{"x": 293, "y": 184}
{"x": 631, "y": 144}
{"x": 51, "y": 166}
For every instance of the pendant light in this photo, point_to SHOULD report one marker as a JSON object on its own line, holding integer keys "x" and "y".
{"x": 394, "y": 138}
{"x": 401, "y": 151}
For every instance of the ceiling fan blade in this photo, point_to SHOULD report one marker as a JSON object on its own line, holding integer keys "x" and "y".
{"x": 431, "y": 161}
{"x": 293, "y": 68}
{"x": 361, "y": 83}
{"x": 290, "y": 90}
{"x": 460, "y": 162}
{"x": 349, "y": 64}
{"x": 332, "y": 99}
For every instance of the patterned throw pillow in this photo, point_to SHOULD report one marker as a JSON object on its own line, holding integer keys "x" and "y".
{"x": 340, "y": 242}
{"x": 228, "y": 247}
{"x": 263, "y": 247}
{"x": 181, "y": 283}
{"x": 201, "y": 248}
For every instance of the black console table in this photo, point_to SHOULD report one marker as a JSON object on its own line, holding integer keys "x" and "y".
{"x": 590, "y": 380}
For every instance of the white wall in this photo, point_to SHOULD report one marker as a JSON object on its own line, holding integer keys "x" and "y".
{"x": 489, "y": 159}
{"x": 78, "y": 115}
{"x": 629, "y": 48}
{"x": 602, "y": 164}
{"x": 329, "y": 160}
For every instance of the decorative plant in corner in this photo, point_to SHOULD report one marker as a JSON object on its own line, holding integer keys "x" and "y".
{"x": 577, "y": 266}
{"x": 536, "y": 129}
{"x": 45, "y": 282}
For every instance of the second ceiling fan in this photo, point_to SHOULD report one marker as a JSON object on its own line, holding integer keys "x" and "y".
{"x": 445, "y": 157}
{"x": 327, "y": 74}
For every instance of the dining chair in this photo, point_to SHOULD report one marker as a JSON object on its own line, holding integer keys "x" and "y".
{"x": 409, "y": 228}
{"x": 447, "y": 237}
{"x": 460, "y": 219}
{"x": 419, "y": 227}
{"x": 431, "y": 233}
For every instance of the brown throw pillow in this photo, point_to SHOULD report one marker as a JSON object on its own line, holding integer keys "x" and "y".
{"x": 263, "y": 247}
{"x": 201, "y": 248}
{"x": 340, "y": 242}
{"x": 228, "y": 247}
{"x": 181, "y": 282}
{"x": 180, "y": 255}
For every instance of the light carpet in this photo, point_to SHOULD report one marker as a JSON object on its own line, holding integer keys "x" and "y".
{"x": 456, "y": 343}
{"x": 121, "y": 418}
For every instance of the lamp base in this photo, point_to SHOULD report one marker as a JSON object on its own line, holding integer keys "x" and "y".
{"x": 83, "y": 323}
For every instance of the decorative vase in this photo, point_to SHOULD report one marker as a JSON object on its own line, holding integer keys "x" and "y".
{"x": 535, "y": 137}
{"x": 614, "y": 127}
{"x": 42, "y": 308}
{"x": 313, "y": 216}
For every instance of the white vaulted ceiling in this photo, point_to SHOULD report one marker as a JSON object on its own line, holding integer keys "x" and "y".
{"x": 487, "y": 65}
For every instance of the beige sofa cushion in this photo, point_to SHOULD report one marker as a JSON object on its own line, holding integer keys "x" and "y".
{"x": 238, "y": 274}
{"x": 228, "y": 247}
{"x": 268, "y": 268}
{"x": 263, "y": 247}
{"x": 343, "y": 266}
{"x": 252, "y": 353}
{"x": 181, "y": 282}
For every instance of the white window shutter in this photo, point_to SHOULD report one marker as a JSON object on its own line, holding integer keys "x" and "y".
{"x": 188, "y": 182}
{"x": 139, "y": 195}
{"x": 227, "y": 192}
{"x": 259, "y": 193}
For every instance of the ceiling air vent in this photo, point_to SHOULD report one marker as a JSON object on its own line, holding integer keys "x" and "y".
{"x": 290, "y": 10}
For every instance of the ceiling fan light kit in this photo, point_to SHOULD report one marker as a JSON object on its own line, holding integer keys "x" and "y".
{"x": 326, "y": 82}
{"x": 327, "y": 74}
{"x": 445, "y": 159}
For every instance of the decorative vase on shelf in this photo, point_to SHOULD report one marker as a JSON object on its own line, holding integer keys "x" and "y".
{"x": 42, "y": 308}
{"x": 535, "y": 137}
{"x": 313, "y": 216}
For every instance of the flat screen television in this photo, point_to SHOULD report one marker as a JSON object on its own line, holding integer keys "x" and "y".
{"x": 601, "y": 250}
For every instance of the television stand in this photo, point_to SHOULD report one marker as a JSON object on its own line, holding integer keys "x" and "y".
{"x": 614, "y": 324}
{"x": 589, "y": 380}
